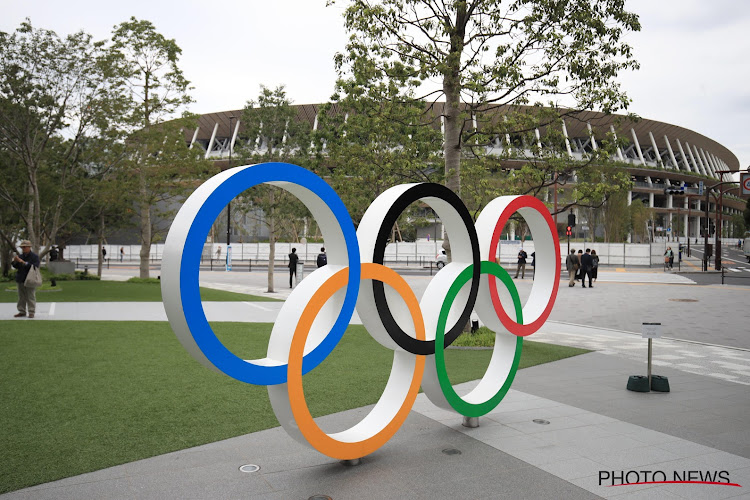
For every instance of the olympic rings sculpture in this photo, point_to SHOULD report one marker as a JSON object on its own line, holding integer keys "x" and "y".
{"x": 313, "y": 320}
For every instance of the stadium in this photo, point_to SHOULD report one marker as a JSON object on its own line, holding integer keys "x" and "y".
{"x": 670, "y": 166}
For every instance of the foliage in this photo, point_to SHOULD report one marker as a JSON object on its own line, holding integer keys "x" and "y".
{"x": 483, "y": 54}
{"x": 377, "y": 140}
{"x": 56, "y": 94}
{"x": 273, "y": 133}
{"x": 739, "y": 226}
{"x": 640, "y": 214}
{"x": 158, "y": 167}
{"x": 153, "y": 281}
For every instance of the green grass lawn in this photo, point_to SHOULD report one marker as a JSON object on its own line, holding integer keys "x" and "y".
{"x": 116, "y": 291}
{"x": 82, "y": 396}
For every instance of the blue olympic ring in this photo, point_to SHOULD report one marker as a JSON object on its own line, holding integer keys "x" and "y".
{"x": 221, "y": 357}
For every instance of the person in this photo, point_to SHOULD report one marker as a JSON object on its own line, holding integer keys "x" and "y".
{"x": 587, "y": 264}
{"x": 122, "y": 253}
{"x": 53, "y": 253}
{"x": 521, "y": 263}
{"x": 595, "y": 265}
{"x": 669, "y": 257}
{"x": 533, "y": 265}
{"x": 579, "y": 274}
{"x": 293, "y": 258}
{"x": 571, "y": 264}
{"x": 104, "y": 253}
{"x": 26, "y": 295}
{"x": 218, "y": 253}
{"x": 322, "y": 257}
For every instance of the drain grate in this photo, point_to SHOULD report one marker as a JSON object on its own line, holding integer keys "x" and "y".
{"x": 250, "y": 468}
{"x": 683, "y": 300}
{"x": 540, "y": 421}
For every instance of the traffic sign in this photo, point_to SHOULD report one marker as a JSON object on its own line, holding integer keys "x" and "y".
{"x": 700, "y": 188}
{"x": 745, "y": 183}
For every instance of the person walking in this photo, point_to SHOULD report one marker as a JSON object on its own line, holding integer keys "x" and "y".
{"x": 595, "y": 265}
{"x": 521, "y": 263}
{"x": 579, "y": 273}
{"x": 122, "y": 253}
{"x": 587, "y": 264}
{"x": 293, "y": 259}
{"x": 571, "y": 264}
{"x": 322, "y": 259}
{"x": 669, "y": 257}
{"x": 533, "y": 265}
{"x": 218, "y": 253}
{"x": 26, "y": 295}
{"x": 104, "y": 253}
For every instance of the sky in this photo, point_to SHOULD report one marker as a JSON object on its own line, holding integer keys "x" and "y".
{"x": 694, "y": 54}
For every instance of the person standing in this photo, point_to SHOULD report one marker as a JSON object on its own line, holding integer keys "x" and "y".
{"x": 587, "y": 264}
{"x": 579, "y": 274}
{"x": 26, "y": 295}
{"x": 218, "y": 253}
{"x": 322, "y": 257}
{"x": 533, "y": 265}
{"x": 122, "y": 253}
{"x": 595, "y": 265}
{"x": 571, "y": 264}
{"x": 104, "y": 253}
{"x": 53, "y": 253}
{"x": 521, "y": 263}
{"x": 293, "y": 259}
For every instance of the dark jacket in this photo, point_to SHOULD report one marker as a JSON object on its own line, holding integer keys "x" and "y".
{"x": 587, "y": 262}
{"x": 293, "y": 258}
{"x": 31, "y": 259}
{"x": 322, "y": 260}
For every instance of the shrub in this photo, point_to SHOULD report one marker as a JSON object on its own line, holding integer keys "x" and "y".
{"x": 154, "y": 281}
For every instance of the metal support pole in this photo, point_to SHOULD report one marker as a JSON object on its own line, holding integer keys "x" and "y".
{"x": 649, "y": 362}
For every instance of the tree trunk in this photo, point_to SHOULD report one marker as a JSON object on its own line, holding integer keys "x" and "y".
{"x": 145, "y": 216}
{"x": 271, "y": 242}
{"x": 34, "y": 220}
{"x": 100, "y": 244}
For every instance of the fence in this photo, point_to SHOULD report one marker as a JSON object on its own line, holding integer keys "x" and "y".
{"x": 414, "y": 254}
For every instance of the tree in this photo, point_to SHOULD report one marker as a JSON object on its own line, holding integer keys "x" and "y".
{"x": 272, "y": 133}
{"x": 55, "y": 94}
{"x": 159, "y": 167}
{"x": 485, "y": 54}
{"x": 376, "y": 140}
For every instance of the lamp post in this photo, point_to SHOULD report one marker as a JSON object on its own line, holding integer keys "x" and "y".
{"x": 229, "y": 205}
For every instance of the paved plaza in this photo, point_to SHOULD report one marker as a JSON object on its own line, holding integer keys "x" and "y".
{"x": 561, "y": 428}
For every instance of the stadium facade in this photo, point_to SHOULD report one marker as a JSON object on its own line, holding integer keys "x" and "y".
{"x": 660, "y": 158}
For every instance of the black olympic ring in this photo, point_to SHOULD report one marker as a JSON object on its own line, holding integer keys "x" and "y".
{"x": 423, "y": 192}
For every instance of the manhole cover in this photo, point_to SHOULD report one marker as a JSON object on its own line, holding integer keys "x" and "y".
{"x": 250, "y": 468}
{"x": 683, "y": 300}
{"x": 540, "y": 421}
{"x": 451, "y": 451}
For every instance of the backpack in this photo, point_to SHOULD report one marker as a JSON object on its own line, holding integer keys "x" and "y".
{"x": 322, "y": 260}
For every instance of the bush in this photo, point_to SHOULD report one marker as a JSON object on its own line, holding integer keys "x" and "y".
{"x": 80, "y": 275}
{"x": 154, "y": 281}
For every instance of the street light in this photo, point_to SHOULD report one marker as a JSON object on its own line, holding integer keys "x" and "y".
{"x": 229, "y": 205}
